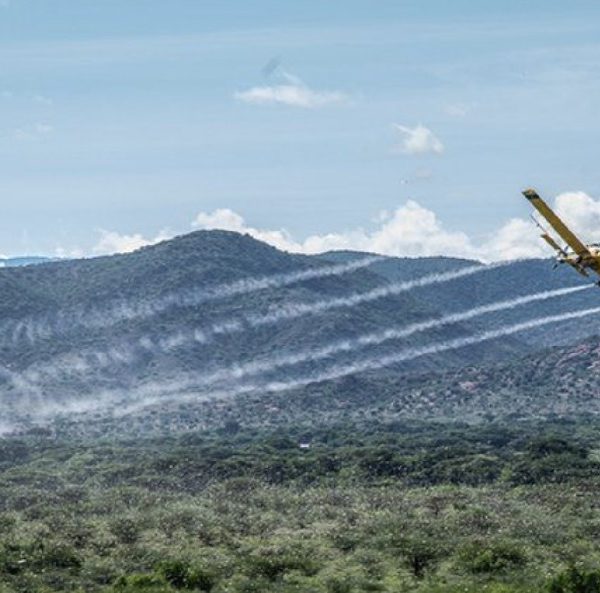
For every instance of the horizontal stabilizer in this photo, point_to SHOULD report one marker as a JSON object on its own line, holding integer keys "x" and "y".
{"x": 553, "y": 243}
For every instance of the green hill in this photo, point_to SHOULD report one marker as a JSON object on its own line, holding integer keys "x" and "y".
{"x": 110, "y": 332}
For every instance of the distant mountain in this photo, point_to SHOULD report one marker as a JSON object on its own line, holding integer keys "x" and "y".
{"x": 208, "y": 314}
{"x": 11, "y": 262}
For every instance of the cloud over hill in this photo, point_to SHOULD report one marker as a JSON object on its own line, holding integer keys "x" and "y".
{"x": 410, "y": 230}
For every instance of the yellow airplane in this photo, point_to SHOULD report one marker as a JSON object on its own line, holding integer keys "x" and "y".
{"x": 581, "y": 257}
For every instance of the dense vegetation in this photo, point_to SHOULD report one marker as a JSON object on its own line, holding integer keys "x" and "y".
{"x": 366, "y": 483}
{"x": 367, "y": 507}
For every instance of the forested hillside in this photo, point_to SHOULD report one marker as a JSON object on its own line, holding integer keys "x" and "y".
{"x": 106, "y": 333}
{"x": 211, "y": 414}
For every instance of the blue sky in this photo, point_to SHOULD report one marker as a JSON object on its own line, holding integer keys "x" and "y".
{"x": 133, "y": 119}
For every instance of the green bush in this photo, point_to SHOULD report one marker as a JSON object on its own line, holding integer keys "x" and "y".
{"x": 419, "y": 553}
{"x": 183, "y": 575}
{"x": 490, "y": 558}
{"x": 271, "y": 562}
{"x": 576, "y": 580}
{"x": 59, "y": 556}
{"x": 136, "y": 583}
{"x": 126, "y": 530}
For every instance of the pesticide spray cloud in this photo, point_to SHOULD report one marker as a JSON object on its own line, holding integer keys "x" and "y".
{"x": 292, "y": 311}
{"x": 124, "y": 353}
{"x": 159, "y": 393}
{"x": 195, "y": 389}
{"x": 338, "y": 371}
{"x": 376, "y": 338}
{"x": 378, "y": 363}
{"x": 183, "y": 393}
{"x": 84, "y": 362}
{"x": 31, "y": 330}
{"x": 296, "y": 310}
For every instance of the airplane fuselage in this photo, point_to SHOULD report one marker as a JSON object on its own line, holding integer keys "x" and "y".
{"x": 578, "y": 255}
{"x": 591, "y": 261}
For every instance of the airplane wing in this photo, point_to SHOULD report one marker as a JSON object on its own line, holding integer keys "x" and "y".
{"x": 557, "y": 224}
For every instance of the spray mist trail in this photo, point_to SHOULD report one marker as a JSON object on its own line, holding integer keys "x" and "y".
{"x": 378, "y": 363}
{"x": 161, "y": 393}
{"x": 124, "y": 353}
{"x": 84, "y": 362}
{"x": 376, "y": 338}
{"x": 292, "y": 311}
{"x": 295, "y": 310}
{"x": 203, "y": 335}
{"x": 337, "y": 371}
{"x": 80, "y": 361}
{"x": 32, "y": 330}
{"x": 182, "y": 393}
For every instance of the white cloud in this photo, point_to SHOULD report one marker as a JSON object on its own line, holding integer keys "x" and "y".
{"x": 291, "y": 95}
{"x": 64, "y": 253}
{"x": 112, "y": 242}
{"x": 223, "y": 219}
{"x": 291, "y": 91}
{"x": 516, "y": 239}
{"x": 227, "y": 220}
{"x": 419, "y": 140}
{"x": 520, "y": 238}
{"x": 580, "y": 212}
{"x": 411, "y": 230}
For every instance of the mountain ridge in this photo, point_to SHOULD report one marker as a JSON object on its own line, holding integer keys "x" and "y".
{"x": 60, "y": 345}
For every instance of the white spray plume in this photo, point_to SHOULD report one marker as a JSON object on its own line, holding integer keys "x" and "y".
{"x": 83, "y": 360}
{"x": 295, "y": 310}
{"x": 292, "y": 311}
{"x": 181, "y": 394}
{"x": 339, "y": 371}
{"x": 372, "y": 339}
{"x": 162, "y": 393}
{"x": 32, "y": 330}
{"x": 373, "y": 364}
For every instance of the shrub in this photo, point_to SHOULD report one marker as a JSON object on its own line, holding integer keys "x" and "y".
{"x": 59, "y": 556}
{"x": 419, "y": 553}
{"x": 576, "y": 580}
{"x": 495, "y": 557}
{"x": 141, "y": 582}
{"x": 183, "y": 575}
{"x": 126, "y": 530}
{"x": 274, "y": 561}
